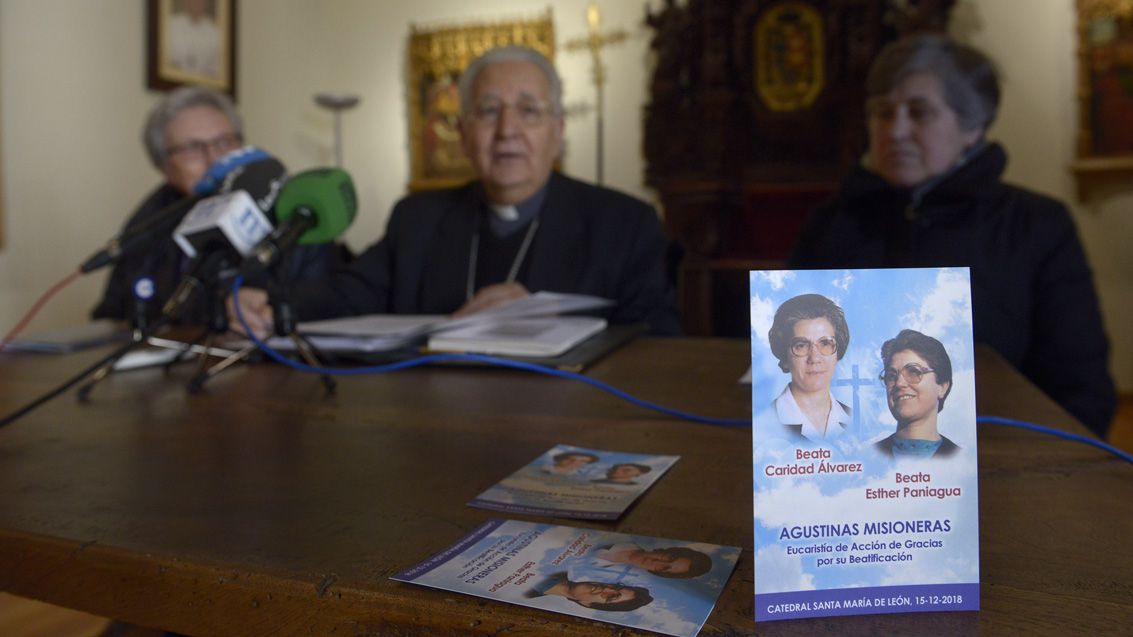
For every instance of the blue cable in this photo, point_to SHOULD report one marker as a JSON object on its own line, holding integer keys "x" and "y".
{"x": 477, "y": 358}
{"x": 999, "y": 420}
{"x": 539, "y": 369}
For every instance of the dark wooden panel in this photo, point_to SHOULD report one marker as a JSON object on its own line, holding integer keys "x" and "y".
{"x": 737, "y": 176}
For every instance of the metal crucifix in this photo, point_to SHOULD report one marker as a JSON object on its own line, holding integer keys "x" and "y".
{"x": 595, "y": 41}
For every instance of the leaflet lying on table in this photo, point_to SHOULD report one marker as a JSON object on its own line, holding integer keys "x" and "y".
{"x": 575, "y": 482}
{"x": 667, "y": 586}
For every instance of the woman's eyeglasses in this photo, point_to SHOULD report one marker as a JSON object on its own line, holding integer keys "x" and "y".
{"x": 911, "y": 374}
{"x": 825, "y": 346}
{"x": 199, "y": 148}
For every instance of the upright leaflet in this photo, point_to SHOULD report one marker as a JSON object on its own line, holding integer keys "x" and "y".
{"x": 863, "y": 442}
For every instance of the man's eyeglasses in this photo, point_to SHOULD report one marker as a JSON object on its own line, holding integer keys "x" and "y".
{"x": 825, "y": 346}
{"x": 220, "y": 145}
{"x": 531, "y": 113}
{"x": 911, "y": 374}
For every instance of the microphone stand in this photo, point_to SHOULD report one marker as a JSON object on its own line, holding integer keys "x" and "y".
{"x": 142, "y": 330}
{"x": 141, "y": 333}
{"x": 217, "y": 290}
{"x": 203, "y": 276}
{"x": 283, "y": 312}
{"x": 71, "y": 382}
{"x": 278, "y": 288}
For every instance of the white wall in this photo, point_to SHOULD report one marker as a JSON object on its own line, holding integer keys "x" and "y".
{"x": 72, "y": 99}
{"x": 1038, "y": 125}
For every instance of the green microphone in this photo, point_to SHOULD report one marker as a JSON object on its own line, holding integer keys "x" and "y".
{"x": 314, "y": 206}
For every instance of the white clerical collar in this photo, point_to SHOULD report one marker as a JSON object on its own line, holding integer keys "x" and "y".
{"x": 506, "y": 219}
{"x": 504, "y": 212}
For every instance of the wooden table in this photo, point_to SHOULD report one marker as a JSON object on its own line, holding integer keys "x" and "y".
{"x": 262, "y": 507}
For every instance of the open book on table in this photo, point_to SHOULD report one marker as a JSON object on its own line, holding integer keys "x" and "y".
{"x": 530, "y": 326}
{"x": 536, "y": 336}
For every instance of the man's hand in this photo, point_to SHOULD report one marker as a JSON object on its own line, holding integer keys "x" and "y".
{"x": 256, "y": 310}
{"x": 491, "y": 296}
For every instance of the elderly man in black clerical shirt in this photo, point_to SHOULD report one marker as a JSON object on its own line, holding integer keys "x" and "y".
{"x": 184, "y": 134}
{"x": 520, "y": 228}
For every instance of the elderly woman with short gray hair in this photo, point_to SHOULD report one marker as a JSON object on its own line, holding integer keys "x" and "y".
{"x": 928, "y": 193}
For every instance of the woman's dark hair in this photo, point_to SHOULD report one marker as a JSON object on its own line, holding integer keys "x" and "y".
{"x": 641, "y": 597}
{"x": 801, "y": 308}
{"x": 928, "y": 348}
{"x": 641, "y": 468}
{"x": 967, "y": 77}
{"x": 698, "y": 563}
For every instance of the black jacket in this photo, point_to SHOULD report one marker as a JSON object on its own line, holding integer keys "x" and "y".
{"x": 590, "y": 240}
{"x": 1033, "y": 296}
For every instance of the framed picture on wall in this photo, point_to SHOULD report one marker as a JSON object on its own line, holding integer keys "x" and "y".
{"x": 790, "y": 67}
{"x": 191, "y": 42}
{"x": 1105, "y": 93}
{"x": 1, "y": 196}
{"x": 436, "y": 59}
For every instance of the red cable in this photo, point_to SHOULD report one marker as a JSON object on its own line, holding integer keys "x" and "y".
{"x": 37, "y": 306}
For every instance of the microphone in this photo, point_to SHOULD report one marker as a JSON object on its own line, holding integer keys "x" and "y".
{"x": 143, "y": 290}
{"x": 219, "y": 175}
{"x": 315, "y": 206}
{"x": 220, "y": 171}
{"x": 236, "y": 218}
{"x": 222, "y": 222}
{"x": 260, "y": 179}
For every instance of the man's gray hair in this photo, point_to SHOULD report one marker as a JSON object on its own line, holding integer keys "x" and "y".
{"x": 511, "y": 54}
{"x": 153, "y": 134}
{"x": 967, "y": 77}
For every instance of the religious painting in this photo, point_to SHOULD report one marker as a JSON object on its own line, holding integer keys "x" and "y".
{"x": 1106, "y": 57}
{"x": 790, "y": 70}
{"x": 1, "y": 196}
{"x": 1105, "y": 94}
{"x": 191, "y": 42}
{"x": 436, "y": 59}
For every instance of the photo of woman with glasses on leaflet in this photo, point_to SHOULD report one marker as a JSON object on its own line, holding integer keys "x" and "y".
{"x": 917, "y": 377}
{"x": 809, "y": 336}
